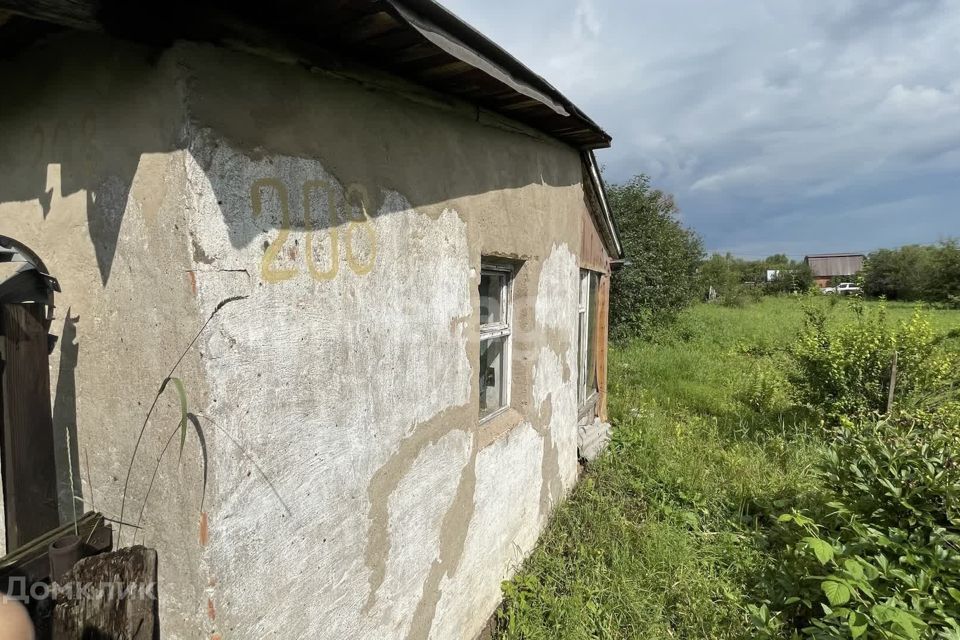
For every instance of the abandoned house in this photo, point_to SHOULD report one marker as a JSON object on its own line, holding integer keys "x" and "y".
{"x": 827, "y": 267}
{"x": 362, "y": 246}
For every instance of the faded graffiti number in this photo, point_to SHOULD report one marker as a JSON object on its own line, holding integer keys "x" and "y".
{"x": 266, "y": 269}
{"x": 356, "y": 195}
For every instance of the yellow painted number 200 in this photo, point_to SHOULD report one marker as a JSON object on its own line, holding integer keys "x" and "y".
{"x": 356, "y": 195}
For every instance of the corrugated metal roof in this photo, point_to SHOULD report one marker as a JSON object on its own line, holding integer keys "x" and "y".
{"x": 835, "y": 264}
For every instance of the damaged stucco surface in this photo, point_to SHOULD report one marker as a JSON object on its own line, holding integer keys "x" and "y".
{"x": 350, "y": 490}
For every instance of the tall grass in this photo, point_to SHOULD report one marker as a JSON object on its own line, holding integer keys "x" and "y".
{"x": 664, "y": 536}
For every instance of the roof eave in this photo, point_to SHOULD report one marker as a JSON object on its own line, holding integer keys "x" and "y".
{"x": 418, "y": 40}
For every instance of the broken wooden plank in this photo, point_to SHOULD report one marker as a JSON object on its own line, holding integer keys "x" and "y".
{"x": 112, "y": 595}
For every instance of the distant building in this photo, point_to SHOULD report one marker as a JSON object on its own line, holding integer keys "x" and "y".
{"x": 827, "y": 266}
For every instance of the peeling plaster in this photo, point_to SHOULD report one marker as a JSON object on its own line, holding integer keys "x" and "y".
{"x": 354, "y": 225}
{"x": 325, "y": 395}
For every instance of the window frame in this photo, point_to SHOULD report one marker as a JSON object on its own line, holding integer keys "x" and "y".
{"x": 586, "y": 398}
{"x": 501, "y": 329}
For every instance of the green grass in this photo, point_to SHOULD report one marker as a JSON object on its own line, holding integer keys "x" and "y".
{"x": 662, "y": 537}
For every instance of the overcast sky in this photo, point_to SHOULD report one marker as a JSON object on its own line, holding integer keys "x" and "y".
{"x": 793, "y": 126}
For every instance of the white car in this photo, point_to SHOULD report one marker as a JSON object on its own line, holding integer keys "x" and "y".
{"x": 844, "y": 289}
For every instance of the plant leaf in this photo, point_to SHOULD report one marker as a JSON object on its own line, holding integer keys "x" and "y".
{"x": 837, "y": 592}
{"x": 857, "y": 623}
{"x": 822, "y": 549}
{"x": 854, "y": 569}
{"x": 182, "y": 395}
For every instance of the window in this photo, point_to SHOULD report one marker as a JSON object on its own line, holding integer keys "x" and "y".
{"x": 495, "y": 318}
{"x": 587, "y": 352}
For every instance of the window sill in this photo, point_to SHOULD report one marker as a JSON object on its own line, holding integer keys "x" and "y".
{"x": 588, "y": 410}
{"x": 495, "y": 427}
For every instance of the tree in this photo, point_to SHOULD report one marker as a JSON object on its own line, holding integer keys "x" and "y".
{"x": 663, "y": 257}
{"x": 898, "y": 274}
{"x": 794, "y": 277}
{"x": 723, "y": 273}
{"x": 943, "y": 280}
{"x": 915, "y": 272}
{"x": 777, "y": 260}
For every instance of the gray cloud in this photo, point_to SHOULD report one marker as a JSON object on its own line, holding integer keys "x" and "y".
{"x": 852, "y": 18}
{"x": 777, "y": 123}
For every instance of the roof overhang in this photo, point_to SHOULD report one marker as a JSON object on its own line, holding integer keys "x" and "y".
{"x": 418, "y": 40}
{"x": 601, "y": 213}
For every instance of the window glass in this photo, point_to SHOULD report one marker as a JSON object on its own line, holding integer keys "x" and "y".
{"x": 491, "y": 288}
{"x": 495, "y": 330}
{"x": 582, "y": 337}
{"x": 587, "y": 335}
{"x": 591, "y": 380}
{"x": 492, "y": 375}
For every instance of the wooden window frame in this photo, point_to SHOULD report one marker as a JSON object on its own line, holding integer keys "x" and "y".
{"x": 587, "y": 398}
{"x": 502, "y": 329}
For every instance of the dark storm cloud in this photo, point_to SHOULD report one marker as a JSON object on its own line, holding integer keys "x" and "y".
{"x": 780, "y": 125}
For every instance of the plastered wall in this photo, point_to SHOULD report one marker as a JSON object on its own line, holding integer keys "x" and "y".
{"x": 339, "y": 484}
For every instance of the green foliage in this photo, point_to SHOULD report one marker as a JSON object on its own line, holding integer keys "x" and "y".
{"x": 944, "y": 286}
{"x": 845, "y": 369}
{"x": 675, "y": 533}
{"x": 657, "y": 539}
{"x": 879, "y": 554}
{"x": 915, "y": 272}
{"x": 794, "y": 278}
{"x": 182, "y": 397}
{"x": 663, "y": 256}
{"x": 876, "y": 551}
{"x": 765, "y": 388}
{"x": 738, "y": 282}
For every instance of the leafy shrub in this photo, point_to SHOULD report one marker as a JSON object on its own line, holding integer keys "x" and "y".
{"x": 661, "y": 276}
{"x": 845, "y": 368}
{"x": 882, "y": 558}
{"x": 796, "y": 278}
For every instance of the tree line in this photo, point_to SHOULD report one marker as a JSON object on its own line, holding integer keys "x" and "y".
{"x": 915, "y": 272}
{"x": 667, "y": 268}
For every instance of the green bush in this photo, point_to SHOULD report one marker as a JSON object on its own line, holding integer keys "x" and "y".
{"x": 660, "y": 278}
{"x": 881, "y": 558}
{"x": 915, "y": 272}
{"x": 765, "y": 388}
{"x": 845, "y": 369}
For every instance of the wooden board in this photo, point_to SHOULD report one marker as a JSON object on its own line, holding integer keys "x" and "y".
{"x": 603, "y": 322}
{"x": 593, "y": 255}
{"x": 114, "y": 595}
{"x": 29, "y": 464}
{"x": 30, "y": 561}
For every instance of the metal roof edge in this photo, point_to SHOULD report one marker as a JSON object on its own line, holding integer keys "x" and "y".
{"x": 608, "y": 225}
{"x": 488, "y": 50}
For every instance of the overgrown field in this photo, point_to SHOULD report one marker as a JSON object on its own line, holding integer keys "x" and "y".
{"x": 683, "y": 530}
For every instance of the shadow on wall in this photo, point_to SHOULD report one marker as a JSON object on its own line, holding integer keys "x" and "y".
{"x": 94, "y": 117}
{"x": 66, "y": 448}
